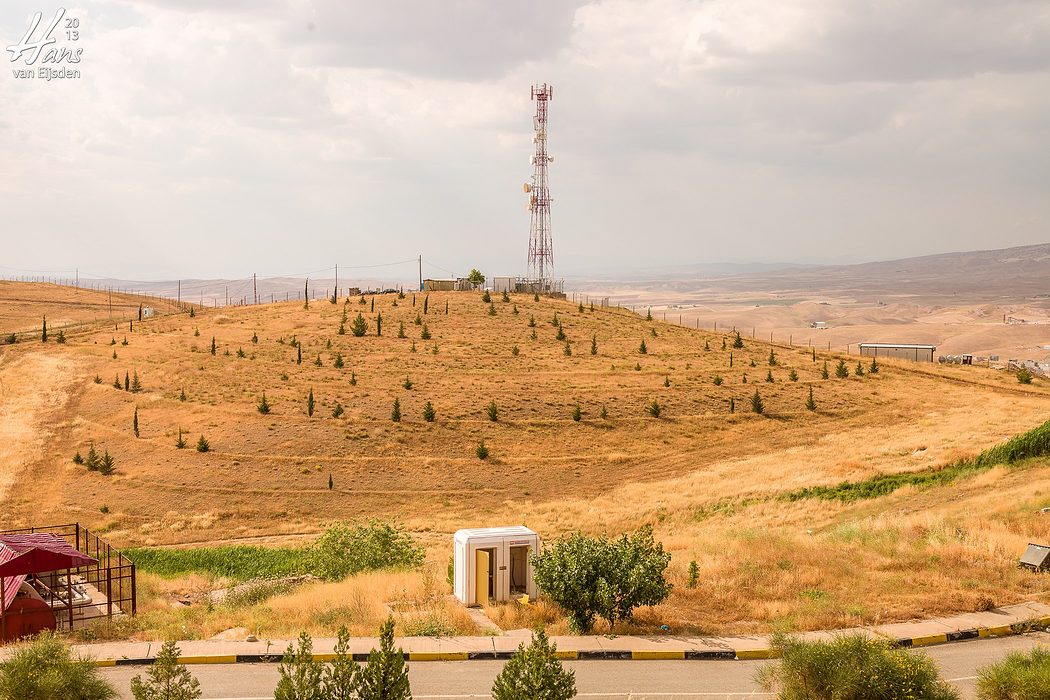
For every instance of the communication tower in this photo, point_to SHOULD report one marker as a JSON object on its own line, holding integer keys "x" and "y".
{"x": 541, "y": 250}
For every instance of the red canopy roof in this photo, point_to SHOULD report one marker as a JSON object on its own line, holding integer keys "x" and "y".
{"x": 34, "y": 554}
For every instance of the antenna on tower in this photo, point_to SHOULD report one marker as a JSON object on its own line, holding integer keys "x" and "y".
{"x": 541, "y": 250}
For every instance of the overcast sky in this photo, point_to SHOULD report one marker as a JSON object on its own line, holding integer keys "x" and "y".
{"x": 282, "y": 136}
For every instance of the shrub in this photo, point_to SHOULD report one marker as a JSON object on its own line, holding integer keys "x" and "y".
{"x": 492, "y": 411}
{"x": 203, "y": 445}
{"x": 603, "y": 413}
{"x": 667, "y": 382}
{"x": 385, "y": 675}
{"x": 300, "y": 673}
{"x": 105, "y": 464}
{"x": 654, "y": 409}
{"x": 694, "y": 575}
{"x": 532, "y": 321}
{"x": 359, "y": 326}
{"x": 317, "y": 361}
{"x": 718, "y": 380}
{"x": 1020, "y": 676}
{"x": 769, "y": 376}
{"x": 395, "y": 412}
{"x": 756, "y": 403}
{"x": 338, "y": 410}
{"x": 340, "y": 678}
{"x": 535, "y": 672}
{"x": 44, "y": 668}
{"x": 353, "y": 378}
{"x": 1024, "y": 376}
{"x": 577, "y": 414}
{"x": 481, "y": 451}
{"x": 594, "y": 577}
{"x": 167, "y": 679}
{"x": 428, "y": 412}
{"x": 264, "y": 405}
{"x": 840, "y": 370}
{"x": 77, "y": 458}
{"x": 568, "y": 349}
{"x": 347, "y": 548}
{"x": 851, "y": 667}
{"x": 514, "y": 350}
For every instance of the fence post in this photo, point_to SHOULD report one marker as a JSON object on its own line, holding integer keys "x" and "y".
{"x": 109, "y": 592}
{"x": 134, "y": 602}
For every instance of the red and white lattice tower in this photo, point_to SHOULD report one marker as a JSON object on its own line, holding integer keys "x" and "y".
{"x": 541, "y": 250}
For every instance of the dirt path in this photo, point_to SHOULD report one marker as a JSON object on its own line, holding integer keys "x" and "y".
{"x": 33, "y": 387}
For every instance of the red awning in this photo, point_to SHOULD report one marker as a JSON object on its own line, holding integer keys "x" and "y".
{"x": 34, "y": 554}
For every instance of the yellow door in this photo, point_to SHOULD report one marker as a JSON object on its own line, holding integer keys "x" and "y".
{"x": 481, "y": 577}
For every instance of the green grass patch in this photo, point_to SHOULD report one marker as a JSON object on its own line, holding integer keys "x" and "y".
{"x": 1034, "y": 443}
{"x": 1020, "y": 676}
{"x": 238, "y": 562}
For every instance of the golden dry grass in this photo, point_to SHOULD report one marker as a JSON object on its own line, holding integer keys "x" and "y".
{"x": 693, "y": 472}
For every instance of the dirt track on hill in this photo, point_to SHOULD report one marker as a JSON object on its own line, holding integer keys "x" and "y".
{"x": 33, "y": 387}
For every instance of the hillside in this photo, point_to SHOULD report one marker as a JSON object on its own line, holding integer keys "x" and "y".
{"x": 712, "y": 480}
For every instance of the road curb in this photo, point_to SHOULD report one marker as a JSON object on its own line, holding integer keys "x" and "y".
{"x": 605, "y": 654}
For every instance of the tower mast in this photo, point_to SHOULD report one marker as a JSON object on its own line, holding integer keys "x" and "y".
{"x": 541, "y": 250}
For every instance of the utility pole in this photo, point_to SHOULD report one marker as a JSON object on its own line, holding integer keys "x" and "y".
{"x": 336, "y": 293}
{"x": 227, "y": 295}
{"x": 255, "y": 288}
{"x": 421, "y": 273}
{"x": 179, "y": 293}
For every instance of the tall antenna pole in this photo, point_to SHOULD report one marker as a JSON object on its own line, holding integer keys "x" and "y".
{"x": 255, "y": 288}
{"x": 541, "y": 249}
{"x": 335, "y": 295}
{"x": 421, "y": 272}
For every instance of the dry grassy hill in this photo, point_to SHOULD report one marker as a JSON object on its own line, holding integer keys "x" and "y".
{"x": 711, "y": 480}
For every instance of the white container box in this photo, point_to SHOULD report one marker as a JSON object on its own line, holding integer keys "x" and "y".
{"x": 494, "y": 563}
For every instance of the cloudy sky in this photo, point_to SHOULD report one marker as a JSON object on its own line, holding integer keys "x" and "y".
{"x": 282, "y": 136}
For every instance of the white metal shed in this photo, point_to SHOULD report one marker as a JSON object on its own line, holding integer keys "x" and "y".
{"x": 493, "y": 563}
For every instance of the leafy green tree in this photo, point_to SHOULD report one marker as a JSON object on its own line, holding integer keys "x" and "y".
{"x": 166, "y": 678}
{"x": 594, "y": 577}
{"x": 475, "y": 278}
{"x": 300, "y": 673}
{"x": 534, "y": 672}
{"x": 395, "y": 413}
{"x": 359, "y": 326}
{"x": 385, "y": 675}
{"x": 339, "y": 680}
{"x": 428, "y": 412}
{"x": 841, "y": 371}
{"x": 44, "y": 668}
{"x": 310, "y": 403}
{"x": 264, "y": 405}
{"x": 350, "y": 548}
{"x": 756, "y": 403}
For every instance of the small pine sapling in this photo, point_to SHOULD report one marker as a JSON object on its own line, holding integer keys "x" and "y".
{"x": 811, "y": 405}
{"x": 203, "y": 445}
{"x": 756, "y": 403}
{"x": 395, "y": 412}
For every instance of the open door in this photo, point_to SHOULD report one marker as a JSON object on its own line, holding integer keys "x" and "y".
{"x": 519, "y": 570}
{"x": 482, "y": 576}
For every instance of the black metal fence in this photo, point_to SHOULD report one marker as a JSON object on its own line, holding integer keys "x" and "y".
{"x": 112, "y": 576}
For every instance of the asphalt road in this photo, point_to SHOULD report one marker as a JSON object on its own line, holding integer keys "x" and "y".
{"x": 595, "y": 680}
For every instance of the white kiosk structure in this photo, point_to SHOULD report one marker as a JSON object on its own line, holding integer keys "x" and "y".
{"x": 493, "y": 564}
